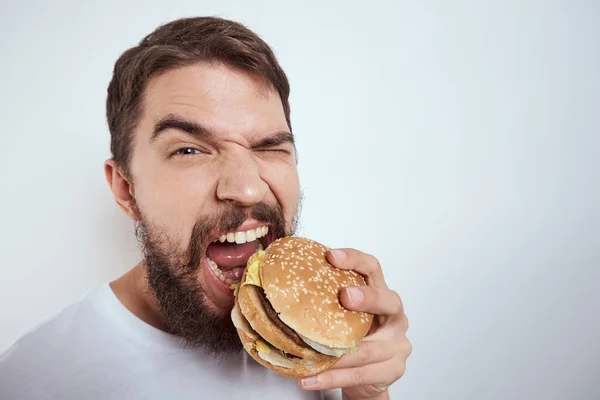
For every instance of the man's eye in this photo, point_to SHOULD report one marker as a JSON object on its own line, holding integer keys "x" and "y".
{"x": 187, "y": 151}
{"x": 284, "y": 151}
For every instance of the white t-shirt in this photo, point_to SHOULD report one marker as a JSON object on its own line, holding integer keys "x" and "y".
{"x": 97, "y": 349}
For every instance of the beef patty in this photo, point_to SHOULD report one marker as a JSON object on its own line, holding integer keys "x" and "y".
{"x": 274, "y": 317}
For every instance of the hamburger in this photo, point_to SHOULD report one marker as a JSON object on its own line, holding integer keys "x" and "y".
{"x": 287, "y": 310}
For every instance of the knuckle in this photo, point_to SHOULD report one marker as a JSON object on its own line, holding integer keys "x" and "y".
{"x": 373, "y": 263}
{"x": 327, "y": 379}
{"x": 397, "y": 302}
{"x": 398, "y": 342}
{"x": 364, "y": 355}
{"x": 397, "y": 348}
{"x": 400, "y": 346}
{"x": 408, "y": 347}
{"x": 373, "y": 294}
{"x": 400, "y": 370}
{"x": 358, "y": 376}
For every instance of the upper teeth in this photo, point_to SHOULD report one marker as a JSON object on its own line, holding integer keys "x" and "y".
{"x": 244, "y": 237}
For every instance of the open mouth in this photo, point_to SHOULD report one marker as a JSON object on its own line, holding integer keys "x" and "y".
{"x": 228, "y": 254}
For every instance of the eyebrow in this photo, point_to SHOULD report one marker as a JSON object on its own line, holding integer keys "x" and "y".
{"x": 274, "y": 140}
{"x": 172, "y": 121}
{"x": 176, "y": 122}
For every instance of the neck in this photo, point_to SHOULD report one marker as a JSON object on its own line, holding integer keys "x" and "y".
{"x": 132, "y": 290}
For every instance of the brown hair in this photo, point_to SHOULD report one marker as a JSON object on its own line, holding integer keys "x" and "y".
{"x": 176, "y": 44}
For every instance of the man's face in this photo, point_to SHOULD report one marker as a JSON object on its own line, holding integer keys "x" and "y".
{"x": 212, "y": 156}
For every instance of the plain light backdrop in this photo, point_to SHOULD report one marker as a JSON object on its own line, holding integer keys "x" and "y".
{"x": 457, "y": 141}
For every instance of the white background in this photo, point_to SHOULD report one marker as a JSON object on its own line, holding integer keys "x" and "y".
{"x": 457, "y": 141}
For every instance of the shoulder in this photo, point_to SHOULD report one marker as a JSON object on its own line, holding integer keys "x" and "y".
{"x": 42, "y": 352}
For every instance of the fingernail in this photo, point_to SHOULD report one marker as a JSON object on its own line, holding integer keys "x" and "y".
{"x": 355, "y": 295}
{"x": 339, "y": 255}
{"x": 313, "y": 380}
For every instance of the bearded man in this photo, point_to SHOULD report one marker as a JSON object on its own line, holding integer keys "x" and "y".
{"x": 204, "y": 162}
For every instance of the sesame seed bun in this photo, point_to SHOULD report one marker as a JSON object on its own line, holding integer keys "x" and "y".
{"x": 304, "y": 288}
{"x": 287, "y": 310}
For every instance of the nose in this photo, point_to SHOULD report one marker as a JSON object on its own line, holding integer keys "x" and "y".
{"x": 240, "y": 181}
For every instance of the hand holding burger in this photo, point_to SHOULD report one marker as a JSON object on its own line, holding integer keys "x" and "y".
{"x": 287, "y": 310}
{"x": 304, "y": 312}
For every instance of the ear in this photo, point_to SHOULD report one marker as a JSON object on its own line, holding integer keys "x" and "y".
{"x": 121, "y": 188}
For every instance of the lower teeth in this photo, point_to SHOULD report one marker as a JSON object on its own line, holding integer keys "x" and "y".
{"x": 218, "y": 273}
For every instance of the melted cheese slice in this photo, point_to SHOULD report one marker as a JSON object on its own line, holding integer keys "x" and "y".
{"x": 273, "y": 356}
{"x": 253, "y": 269}
{"x": 240, "y": 322}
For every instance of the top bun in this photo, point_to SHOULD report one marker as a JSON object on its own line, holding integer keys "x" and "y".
{"x": 304, "y": 289}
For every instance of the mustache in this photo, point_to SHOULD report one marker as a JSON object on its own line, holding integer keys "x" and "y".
{"x": 229, "y": 220}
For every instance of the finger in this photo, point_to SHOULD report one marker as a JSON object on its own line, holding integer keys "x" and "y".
{"x": 368, "y": 353}
{"x": 363, "y": 263}
{"x": 404, "y": 322}
{"x": 384, "y": 373}
{"x": 372, "y": 300}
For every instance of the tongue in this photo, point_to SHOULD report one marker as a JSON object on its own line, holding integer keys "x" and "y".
{"x": 231, "y": 255}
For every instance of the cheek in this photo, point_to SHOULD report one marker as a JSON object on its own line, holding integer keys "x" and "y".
{"x": 174, "y": 199}
{"x": 284, "y": 184}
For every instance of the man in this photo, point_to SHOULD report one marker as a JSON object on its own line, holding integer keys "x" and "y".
{"x": 203, "y": 160}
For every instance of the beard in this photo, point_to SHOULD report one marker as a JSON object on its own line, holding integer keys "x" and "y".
{"x": 172, "y": 275}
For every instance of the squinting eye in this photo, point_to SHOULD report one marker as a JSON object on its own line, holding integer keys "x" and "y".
{"x": 187, "y": 151}
{"x": 277, "y": 151}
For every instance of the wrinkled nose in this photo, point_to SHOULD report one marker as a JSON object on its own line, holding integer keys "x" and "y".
{"x": 240, "y": 181}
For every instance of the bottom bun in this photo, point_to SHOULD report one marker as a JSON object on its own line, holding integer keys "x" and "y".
{"x": 301, "y": 369}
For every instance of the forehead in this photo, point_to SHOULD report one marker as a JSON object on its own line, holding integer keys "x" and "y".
{"x": 226, "y": 100}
